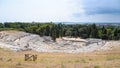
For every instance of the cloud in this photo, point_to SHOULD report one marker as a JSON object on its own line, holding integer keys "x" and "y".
{"x": 97, "y": 11}
{"x": 37, "y": 10}
{"x": 59, "y": 10}
{"x": 103, "y": 11}
{"x": 101, "y": 6}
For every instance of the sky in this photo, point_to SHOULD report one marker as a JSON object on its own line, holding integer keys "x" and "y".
{"x": 60, "y": 10}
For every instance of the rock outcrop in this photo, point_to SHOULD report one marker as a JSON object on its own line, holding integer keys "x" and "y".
{"x": 20, "y": 41}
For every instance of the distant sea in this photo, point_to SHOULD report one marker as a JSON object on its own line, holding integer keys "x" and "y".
{"x": 88, "y": 22}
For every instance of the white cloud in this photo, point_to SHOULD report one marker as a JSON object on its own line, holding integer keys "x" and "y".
{"x": 39, "y": 10}
{"x": 51, "y": 10}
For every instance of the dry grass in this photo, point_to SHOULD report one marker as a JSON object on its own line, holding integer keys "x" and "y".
{"x": 106, "y": 59}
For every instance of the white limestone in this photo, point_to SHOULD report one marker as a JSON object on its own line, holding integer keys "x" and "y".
{"x": 19, "y": 41}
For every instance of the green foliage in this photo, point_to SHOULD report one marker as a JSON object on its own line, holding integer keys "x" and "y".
{"x": 94, "y": 31}
{"x": 62, "y": 30}
{"x": 1, "y": 25}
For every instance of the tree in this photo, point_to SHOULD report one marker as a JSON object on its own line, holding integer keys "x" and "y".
{"x": 94, "y": 31}
{"x": 116, "y": 36}
{"x": 1, "y": 25}
{"x": 104, "y": 33}
{"x": 47, "y": 30}
{"x": 83, "y": 32}
{"x": 75, "y": 31}
{"x": 53, "y": 32}
{"x": 109, "y": 34}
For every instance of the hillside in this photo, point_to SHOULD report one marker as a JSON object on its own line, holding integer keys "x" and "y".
{"x": 103, "y": 59}
{"x": 21, "y": 41}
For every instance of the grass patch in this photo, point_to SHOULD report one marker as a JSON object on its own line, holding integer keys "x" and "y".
{"x": 10, "y": 59}
{"x": 113, "y": 57}
{"x": 84, "y": 61}
{"x": 18, "y": 64}
{"x": 97, "y": 66}
{"x": 62, "y": 66}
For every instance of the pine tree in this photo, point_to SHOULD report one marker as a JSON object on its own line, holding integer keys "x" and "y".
{"x": 94, "y": 31}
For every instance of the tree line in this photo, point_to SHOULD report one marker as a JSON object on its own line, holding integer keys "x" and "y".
{"x": 62, "y": 30}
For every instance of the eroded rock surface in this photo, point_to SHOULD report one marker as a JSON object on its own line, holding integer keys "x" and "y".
{"x": 19, "y": 41}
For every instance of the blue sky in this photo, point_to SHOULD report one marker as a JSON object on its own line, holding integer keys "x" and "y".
{"x": 60, "y": 10}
